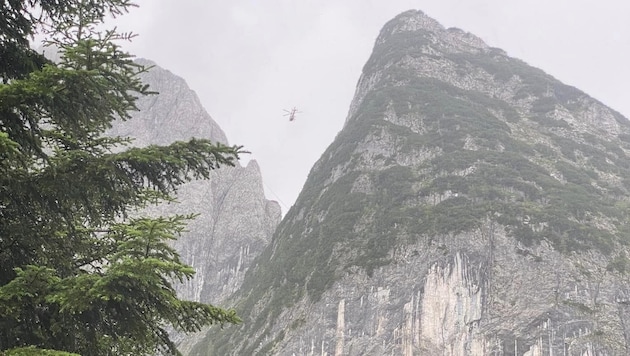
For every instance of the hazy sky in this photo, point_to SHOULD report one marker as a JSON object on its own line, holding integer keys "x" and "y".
{"x": 249, "y": 60}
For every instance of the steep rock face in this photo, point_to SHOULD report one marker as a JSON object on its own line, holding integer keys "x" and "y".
{"x": 235, "y": 219}
{"x": 471, "y": 205}
{"x": 176, "y": 114}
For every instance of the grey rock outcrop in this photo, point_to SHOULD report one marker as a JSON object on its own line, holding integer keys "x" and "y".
{"x": 471, "y": 205}
{"x": 175, "y": 114}
{"x": 235, "y": 220}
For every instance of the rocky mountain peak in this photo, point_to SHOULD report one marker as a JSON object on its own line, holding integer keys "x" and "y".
{"x": 175, "y": 114}
{"x": 409, "y": 21}
{"x": 417, "y": 23}
{"x": 413, "y": 38}
{"x": 471, "y": 205}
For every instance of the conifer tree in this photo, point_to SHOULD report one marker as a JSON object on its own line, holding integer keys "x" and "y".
{"x": 77, "y": 273}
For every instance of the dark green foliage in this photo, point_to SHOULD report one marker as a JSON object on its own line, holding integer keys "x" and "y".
{"x": 76, "y": 274}
{"x": 544, "y": 105}
{"x": 32, "y": 351}
{"x": 620, "y": 263}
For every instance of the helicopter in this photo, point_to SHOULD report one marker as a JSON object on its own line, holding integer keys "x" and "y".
{"x": 291, "y": 113}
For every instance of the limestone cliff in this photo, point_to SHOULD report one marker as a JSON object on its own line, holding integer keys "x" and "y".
{"x": 175, "y": 114}
{"x": 235, "y": 219}
{"x": 471, "y": 205}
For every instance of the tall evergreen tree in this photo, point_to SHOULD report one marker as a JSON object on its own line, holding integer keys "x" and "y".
{"x": 77, "y": 273}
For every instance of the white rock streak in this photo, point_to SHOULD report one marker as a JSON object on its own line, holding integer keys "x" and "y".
{"x": 451, "y": 307}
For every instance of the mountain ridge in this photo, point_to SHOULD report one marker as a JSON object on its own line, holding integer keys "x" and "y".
{"x": 471, "y": 205}
{"x": 156, "y": 121}
{"x": 234, "y": 219}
